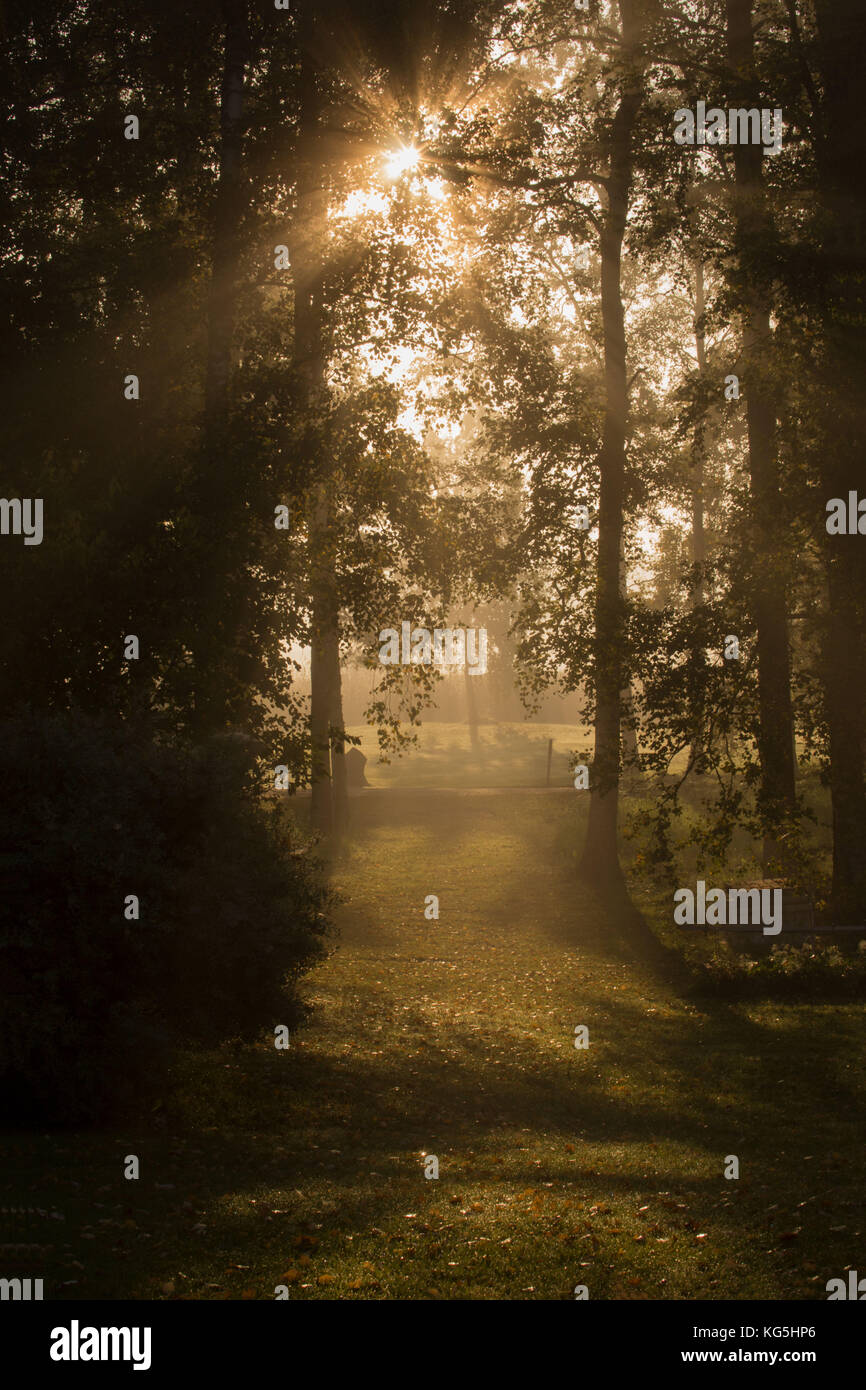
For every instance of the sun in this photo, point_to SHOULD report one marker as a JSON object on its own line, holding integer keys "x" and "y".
{"x": 402, "y": 161}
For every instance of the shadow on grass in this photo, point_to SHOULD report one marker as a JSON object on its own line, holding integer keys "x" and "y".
{"x": 264, "y": 1129}
{"x": 259, "y": 1151}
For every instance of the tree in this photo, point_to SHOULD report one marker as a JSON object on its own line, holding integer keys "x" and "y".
{"x": 769, "y": 578}
{"x": 214, "y": 650}
{"x": 840, "y": 152}
{"x": 824, "y": 326}
{"x": 600, "y": 861}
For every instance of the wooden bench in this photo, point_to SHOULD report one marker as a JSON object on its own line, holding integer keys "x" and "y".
{"x": 798, "y": 917}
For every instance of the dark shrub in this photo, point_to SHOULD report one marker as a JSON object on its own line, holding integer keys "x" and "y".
{"x": 92, "y": 1006}
{"x": 813, "y": 970}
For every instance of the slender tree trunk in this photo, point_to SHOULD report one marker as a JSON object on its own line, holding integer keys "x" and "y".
{"x": 339, "y": 775}
{"x": 214, "y": 646}
{"x": 699, "y": 451}
{"x": 628, "y": 733}
{"x": 329, "y": 786}
{"x": 471, "y": 710}
{"x": 322, "y": 689}
{"x": 229, "y": 210}
{"x": 769, "y": 578}
{"x": 308, "y": 240}
{"x": 844, "y": 683}
{"x": 699, "y": 454}
{"x": 600, "y": 862}
{"x": 841, "y": 152}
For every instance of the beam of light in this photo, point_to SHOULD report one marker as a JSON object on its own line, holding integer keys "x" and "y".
{"x": 402, "y": 161}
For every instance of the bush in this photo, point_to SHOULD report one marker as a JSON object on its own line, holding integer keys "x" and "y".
{"x": 93, "y": 1006}
{"x": 812, "y": 970}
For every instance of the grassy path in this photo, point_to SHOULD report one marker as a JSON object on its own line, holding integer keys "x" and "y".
{"x": 455, "y": 1037}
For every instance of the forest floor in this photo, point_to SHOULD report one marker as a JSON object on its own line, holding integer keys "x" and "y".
{"x": 455, "y": 1038}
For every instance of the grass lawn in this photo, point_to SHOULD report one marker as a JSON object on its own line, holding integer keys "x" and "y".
{"x": 455, "y": 1037}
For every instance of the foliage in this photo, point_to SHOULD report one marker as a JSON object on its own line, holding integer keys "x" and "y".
{"x": 812, "y": 971}
{"x": 231, "y": 913}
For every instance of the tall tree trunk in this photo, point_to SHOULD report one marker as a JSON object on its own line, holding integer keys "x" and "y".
{"x": 471, "y": 710}
{"x": 628, "y": 733}
{"x": 699, "y": 455}
{"x": 329, "y": 787}
{"x": 768, "y": 579}
{"x": 214, "y": 647}
{"x": 308, "y": 241}
{"x": 699, "y": 450}
{"x": 339, "y": 774}
{"x": 841, "y": 152}
{"x": 600, "y": 861}
{"x": 844, "y": 683}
